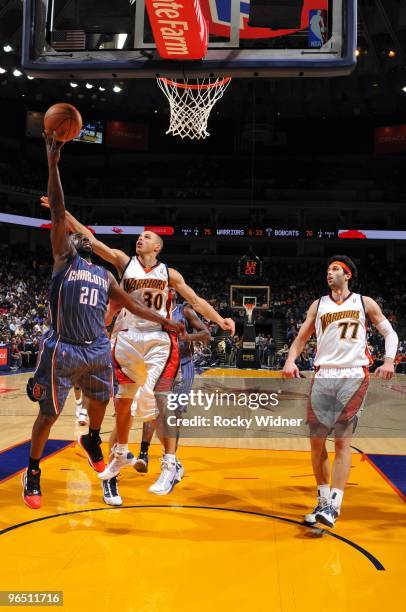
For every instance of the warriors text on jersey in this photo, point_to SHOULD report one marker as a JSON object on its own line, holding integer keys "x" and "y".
{"x": 151, "y": 287}
{"x": 341, "y": 333}
{"x": 78, "y": 297}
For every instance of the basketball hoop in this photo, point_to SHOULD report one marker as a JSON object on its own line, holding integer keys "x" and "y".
{"x": 191, "y": 104}
{"x": 249, "y": 309}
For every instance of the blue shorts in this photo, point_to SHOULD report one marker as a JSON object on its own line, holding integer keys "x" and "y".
{"x": 62, "y": 365}
{"x": 186, "y": 383}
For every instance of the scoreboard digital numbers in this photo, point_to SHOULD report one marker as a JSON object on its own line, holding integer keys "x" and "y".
{"x": 250, "y": 266}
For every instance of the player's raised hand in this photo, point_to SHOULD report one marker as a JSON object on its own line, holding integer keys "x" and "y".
{"x": 53, "y": 147}
{"x": 290, "y": 370}
{"x": 228, "y": 325}
{"x": 44, "y": 201}
{"x": 385, "y": 371}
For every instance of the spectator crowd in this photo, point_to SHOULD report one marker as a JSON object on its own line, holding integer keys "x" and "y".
{"x": 24, "y": 279}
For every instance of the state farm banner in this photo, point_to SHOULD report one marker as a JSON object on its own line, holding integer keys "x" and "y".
{"x": 123, "y": 135}
{"x": 179, "y": 28}
{"x": 390, "y": 139}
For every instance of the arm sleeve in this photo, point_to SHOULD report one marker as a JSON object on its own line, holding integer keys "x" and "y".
{"x": 391, "y": 338}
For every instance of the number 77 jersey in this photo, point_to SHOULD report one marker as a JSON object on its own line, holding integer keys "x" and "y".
{"x": 341, "y": 333}
{"x": 151, "y": 287}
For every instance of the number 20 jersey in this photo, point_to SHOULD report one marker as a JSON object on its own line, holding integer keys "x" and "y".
{"x": 341, "y": 333}
{"x": 151, "y": 287}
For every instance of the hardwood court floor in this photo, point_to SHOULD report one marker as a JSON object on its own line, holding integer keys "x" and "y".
{"x": 229, "y": 537}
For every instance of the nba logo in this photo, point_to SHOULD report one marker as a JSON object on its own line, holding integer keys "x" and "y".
{"x": 317, "y": 28}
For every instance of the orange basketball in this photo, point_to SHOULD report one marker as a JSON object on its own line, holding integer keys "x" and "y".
{"x": 65, "y": 120}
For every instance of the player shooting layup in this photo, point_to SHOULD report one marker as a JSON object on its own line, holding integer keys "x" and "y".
{"x": 341, "y": 380}
{"x": 76, "y": 349}
{"x": 146, "y": 357}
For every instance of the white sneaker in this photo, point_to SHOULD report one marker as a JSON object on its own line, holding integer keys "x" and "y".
{"x": 328, "y": 515}
{"x": 167, "y": 479}
{"x": 81, "y": 415}
{"x": 115, "y": 465}
{"x": 180, "y": 471}
{"x": 322, "y": 503}
{"x": 111, "y": 496}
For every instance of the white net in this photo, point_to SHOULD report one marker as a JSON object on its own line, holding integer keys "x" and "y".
{"x": 191, "y": 104}
{"x": 249, "y": 309}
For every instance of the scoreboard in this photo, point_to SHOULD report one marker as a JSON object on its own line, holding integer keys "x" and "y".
{"x": 255, "y": 232}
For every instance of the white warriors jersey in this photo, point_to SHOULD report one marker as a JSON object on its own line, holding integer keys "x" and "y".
{"x": 151, "y": 287}
{"x": 341, "y": 333}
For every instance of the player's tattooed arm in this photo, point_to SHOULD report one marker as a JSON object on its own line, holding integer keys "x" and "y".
{"x": 290, "y": 369}
{"x": 62, "y": 249}
{"x": 116, "y": 257}
{"x": 121, "y": 299}
{"x": 177, "y": 281}
{"x": 202, "y": 333}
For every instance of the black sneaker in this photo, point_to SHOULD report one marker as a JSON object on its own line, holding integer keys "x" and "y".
{"x": 111, "y": 495}
{"x": 141, "y": 463}
{"x": 93, "y": 452}
{"x": 31, "y": 488}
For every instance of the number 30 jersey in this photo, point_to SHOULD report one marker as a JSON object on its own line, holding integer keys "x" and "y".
{"x": 341, "y": 333}
{"x": 151, "y": 287}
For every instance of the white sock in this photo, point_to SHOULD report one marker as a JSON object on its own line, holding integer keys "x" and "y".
{"x": 324, "y": 491}
{"x": 78, "y": 403}
{"x": 170, "y": 458}
{"x": 121, "y": 449}
{"x": 336, "y": 498}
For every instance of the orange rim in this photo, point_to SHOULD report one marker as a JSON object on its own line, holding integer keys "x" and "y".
{"x": 202, "y": 86}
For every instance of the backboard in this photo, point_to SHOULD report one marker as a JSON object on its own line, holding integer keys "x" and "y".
{"x": 246, "y": 38}
{"x": 259, "y": 295}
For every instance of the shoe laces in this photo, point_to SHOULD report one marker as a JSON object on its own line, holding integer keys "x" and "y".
{"x": 111, "y": 486}
{"x": 322, "y": 502}
{"x": 167, "y": 470}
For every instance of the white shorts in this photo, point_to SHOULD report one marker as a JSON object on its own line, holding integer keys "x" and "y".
{"x": 141, "y": 360}
{"x": 337, "y": 397}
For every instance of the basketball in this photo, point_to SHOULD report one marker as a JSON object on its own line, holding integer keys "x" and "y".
{"x": 65, "y": 120}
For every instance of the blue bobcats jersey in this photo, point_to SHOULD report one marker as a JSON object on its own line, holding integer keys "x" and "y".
{"x": 78, "y": 297}
{"x": 185, "y": 349}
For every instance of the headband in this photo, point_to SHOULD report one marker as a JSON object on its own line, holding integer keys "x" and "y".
{"x": 343, "y": 266}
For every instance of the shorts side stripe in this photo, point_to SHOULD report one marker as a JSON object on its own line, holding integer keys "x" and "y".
{"x": 54, "y": 383}
{"x": 356, "y": 400}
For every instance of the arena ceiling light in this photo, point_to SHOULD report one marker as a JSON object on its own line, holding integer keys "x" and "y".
{"x": 102, "y": 88}
{"x": 30, "y": 78}
{"x": 17, "y": 73}
{"x": 117, "y": 89}
{"x": 7, "y": 48}
{"x": 89, "y": 86}
{"x": 404, "y": 88}
{"x": 2, "y": 70}
{"x": 73, "y": 84}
